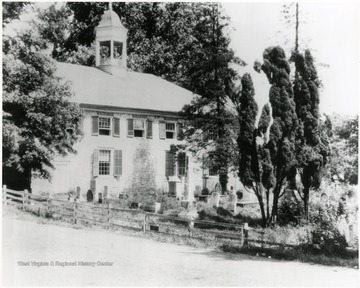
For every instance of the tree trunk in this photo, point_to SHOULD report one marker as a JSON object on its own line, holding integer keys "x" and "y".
{"x": 267, "y": 204}
{"x": 306, "y": 202}
{"x": 274, "y": 212}
{"x": 262, "y": 209}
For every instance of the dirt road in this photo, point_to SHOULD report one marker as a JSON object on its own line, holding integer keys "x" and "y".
{"x": 107, "y": 259}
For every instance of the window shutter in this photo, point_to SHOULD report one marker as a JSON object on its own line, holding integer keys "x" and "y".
{"x": 130, "y": 128}
{"x": 95, "y": 125}
{"x": 95, "y": 163}
{"x": 117, "y": 162}
{"x": 162, "y": 131}
{"x": 169, "y": 164}
{"x": 179, "y": 131}
{"x": 149, "y": 131}
{"x": 116, "y": 122}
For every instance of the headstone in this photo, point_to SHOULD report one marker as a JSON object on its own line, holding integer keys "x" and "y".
{"x": 106, "y": 191}
{"x": 324, "y": 197}
{"x": 232, "y": 201}
{"x": 78, "y": 192}
{"x": 218, "y": 188}
{"x": 100, "y": 198}
{"x": 215, "y": 199}
{"x": 185, "y": 204}
{"x": 89, "y": 196}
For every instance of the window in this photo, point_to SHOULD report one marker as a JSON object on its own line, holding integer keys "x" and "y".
{"x": 170, "y": 130}
{"x": 104, "y": 126}
{"x": 213, "y": 171}
{"x": 105, "y": 52}
{"x": 181, "y": 164}
{"x": 139, "y": 128}
{"x": 169, "y": 164}
{"x": 104, "y": 162}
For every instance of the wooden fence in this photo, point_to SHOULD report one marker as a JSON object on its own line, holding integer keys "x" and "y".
{"x": 110, "y": 217}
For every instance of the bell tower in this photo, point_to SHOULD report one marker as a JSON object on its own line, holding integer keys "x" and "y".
{"x": 110, "y": 40}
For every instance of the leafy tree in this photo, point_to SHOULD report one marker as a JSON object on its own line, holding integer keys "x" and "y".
{"x": 39, "y": 122}
{"x": 343, "y": 165}
{"x": 12, "y": 11}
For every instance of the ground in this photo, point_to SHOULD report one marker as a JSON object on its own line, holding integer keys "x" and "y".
{"x": 143, "y": 262}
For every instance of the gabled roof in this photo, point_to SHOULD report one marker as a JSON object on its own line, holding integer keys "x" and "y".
{"x": 133, "y": 90}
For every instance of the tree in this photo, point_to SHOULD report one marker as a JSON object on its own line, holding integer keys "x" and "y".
{"x": 281, "y": 146}
{"x": 12, "y": 11}
{"x": 39, "y": 122}
{"x": 254, "y": 172}
{"x": 208, "y": 76}
{"x": 343, "y": 165}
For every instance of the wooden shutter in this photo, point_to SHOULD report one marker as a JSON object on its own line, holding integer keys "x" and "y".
{"x": 149, "y": 132}
{"x": 95, "y": 163}
{"x": 130, "y": 128}
{"x": 95, "y": 125}
{"x": 116, "y": 125}
{"x": 162, "y": 131}
{"x": 179, "y": 131}
{"x": 117, "y": 162}
{"x": 169, "y": 164}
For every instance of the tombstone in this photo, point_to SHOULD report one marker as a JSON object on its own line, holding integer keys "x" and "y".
{"x": 89, "y": 196}
{"x": 218, "y": 188}
{"x": 106, "y": 191}
{"x": 100, "y": 198}
{"x": 214, "y": 199}
{"x": 78, "y": 189}
{"x": 324, "y": 197}
{"x": 232, "y": 201}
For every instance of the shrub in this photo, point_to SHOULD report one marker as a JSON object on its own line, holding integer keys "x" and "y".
{"x": 329, "y": 239}
{"x": 288, "y": 209}
{"x": 169, "y": 204}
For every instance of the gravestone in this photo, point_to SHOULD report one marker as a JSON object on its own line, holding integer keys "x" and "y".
{"x": 218, "y": 188}
{"x": 232, "y": 201}
{"x": 78, "y": 192}
{"x": 89, "y": 196}
{"x": 106, "y": 191}
{"x": 214, "y": 199}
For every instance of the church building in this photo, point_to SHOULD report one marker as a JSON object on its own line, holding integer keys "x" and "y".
{"x": 131, "y": 121}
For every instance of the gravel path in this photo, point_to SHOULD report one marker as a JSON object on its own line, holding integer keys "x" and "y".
{"x": 142, "y": 262}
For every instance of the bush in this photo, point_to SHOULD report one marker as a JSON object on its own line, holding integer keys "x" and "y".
{"x": 329, "y": 239}
{"x": 288, "y": 210}
{"x": 169, "y": 204}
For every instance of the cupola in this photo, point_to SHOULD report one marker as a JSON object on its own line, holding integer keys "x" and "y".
{"x": 110, "y": 40}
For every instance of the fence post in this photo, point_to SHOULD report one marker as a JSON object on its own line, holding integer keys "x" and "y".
{"x": 26, "y": 200}
{"x": 191, "y": 227}
{"x": 75, "y": 205}
{"x": 48, "y": 206}
{"x": 108, "y": 216}
{"x": 145, "y": 219}
{"x": 4, "y": 195}
{"x": 246, "y": 233}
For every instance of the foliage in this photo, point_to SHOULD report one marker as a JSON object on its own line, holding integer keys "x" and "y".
{"x": 313, "y": 148}
{"x": 169, "y": 204}
{"x": 219, "y": 214}
{"x": 12, "y": 11}
{"x": 281, "y": 155}
{"x": 288, "y": 209}
{"x": 39, "y": 122}
{"x": 343, "y": 165}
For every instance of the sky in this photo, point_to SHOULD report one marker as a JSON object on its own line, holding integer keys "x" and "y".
{"x": 330, "y": 29}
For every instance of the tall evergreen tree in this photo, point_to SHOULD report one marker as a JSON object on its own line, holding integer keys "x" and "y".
{"x": 281, "y": 145}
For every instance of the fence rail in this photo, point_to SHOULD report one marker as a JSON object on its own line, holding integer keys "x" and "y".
{"x": 89, "y": 212}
